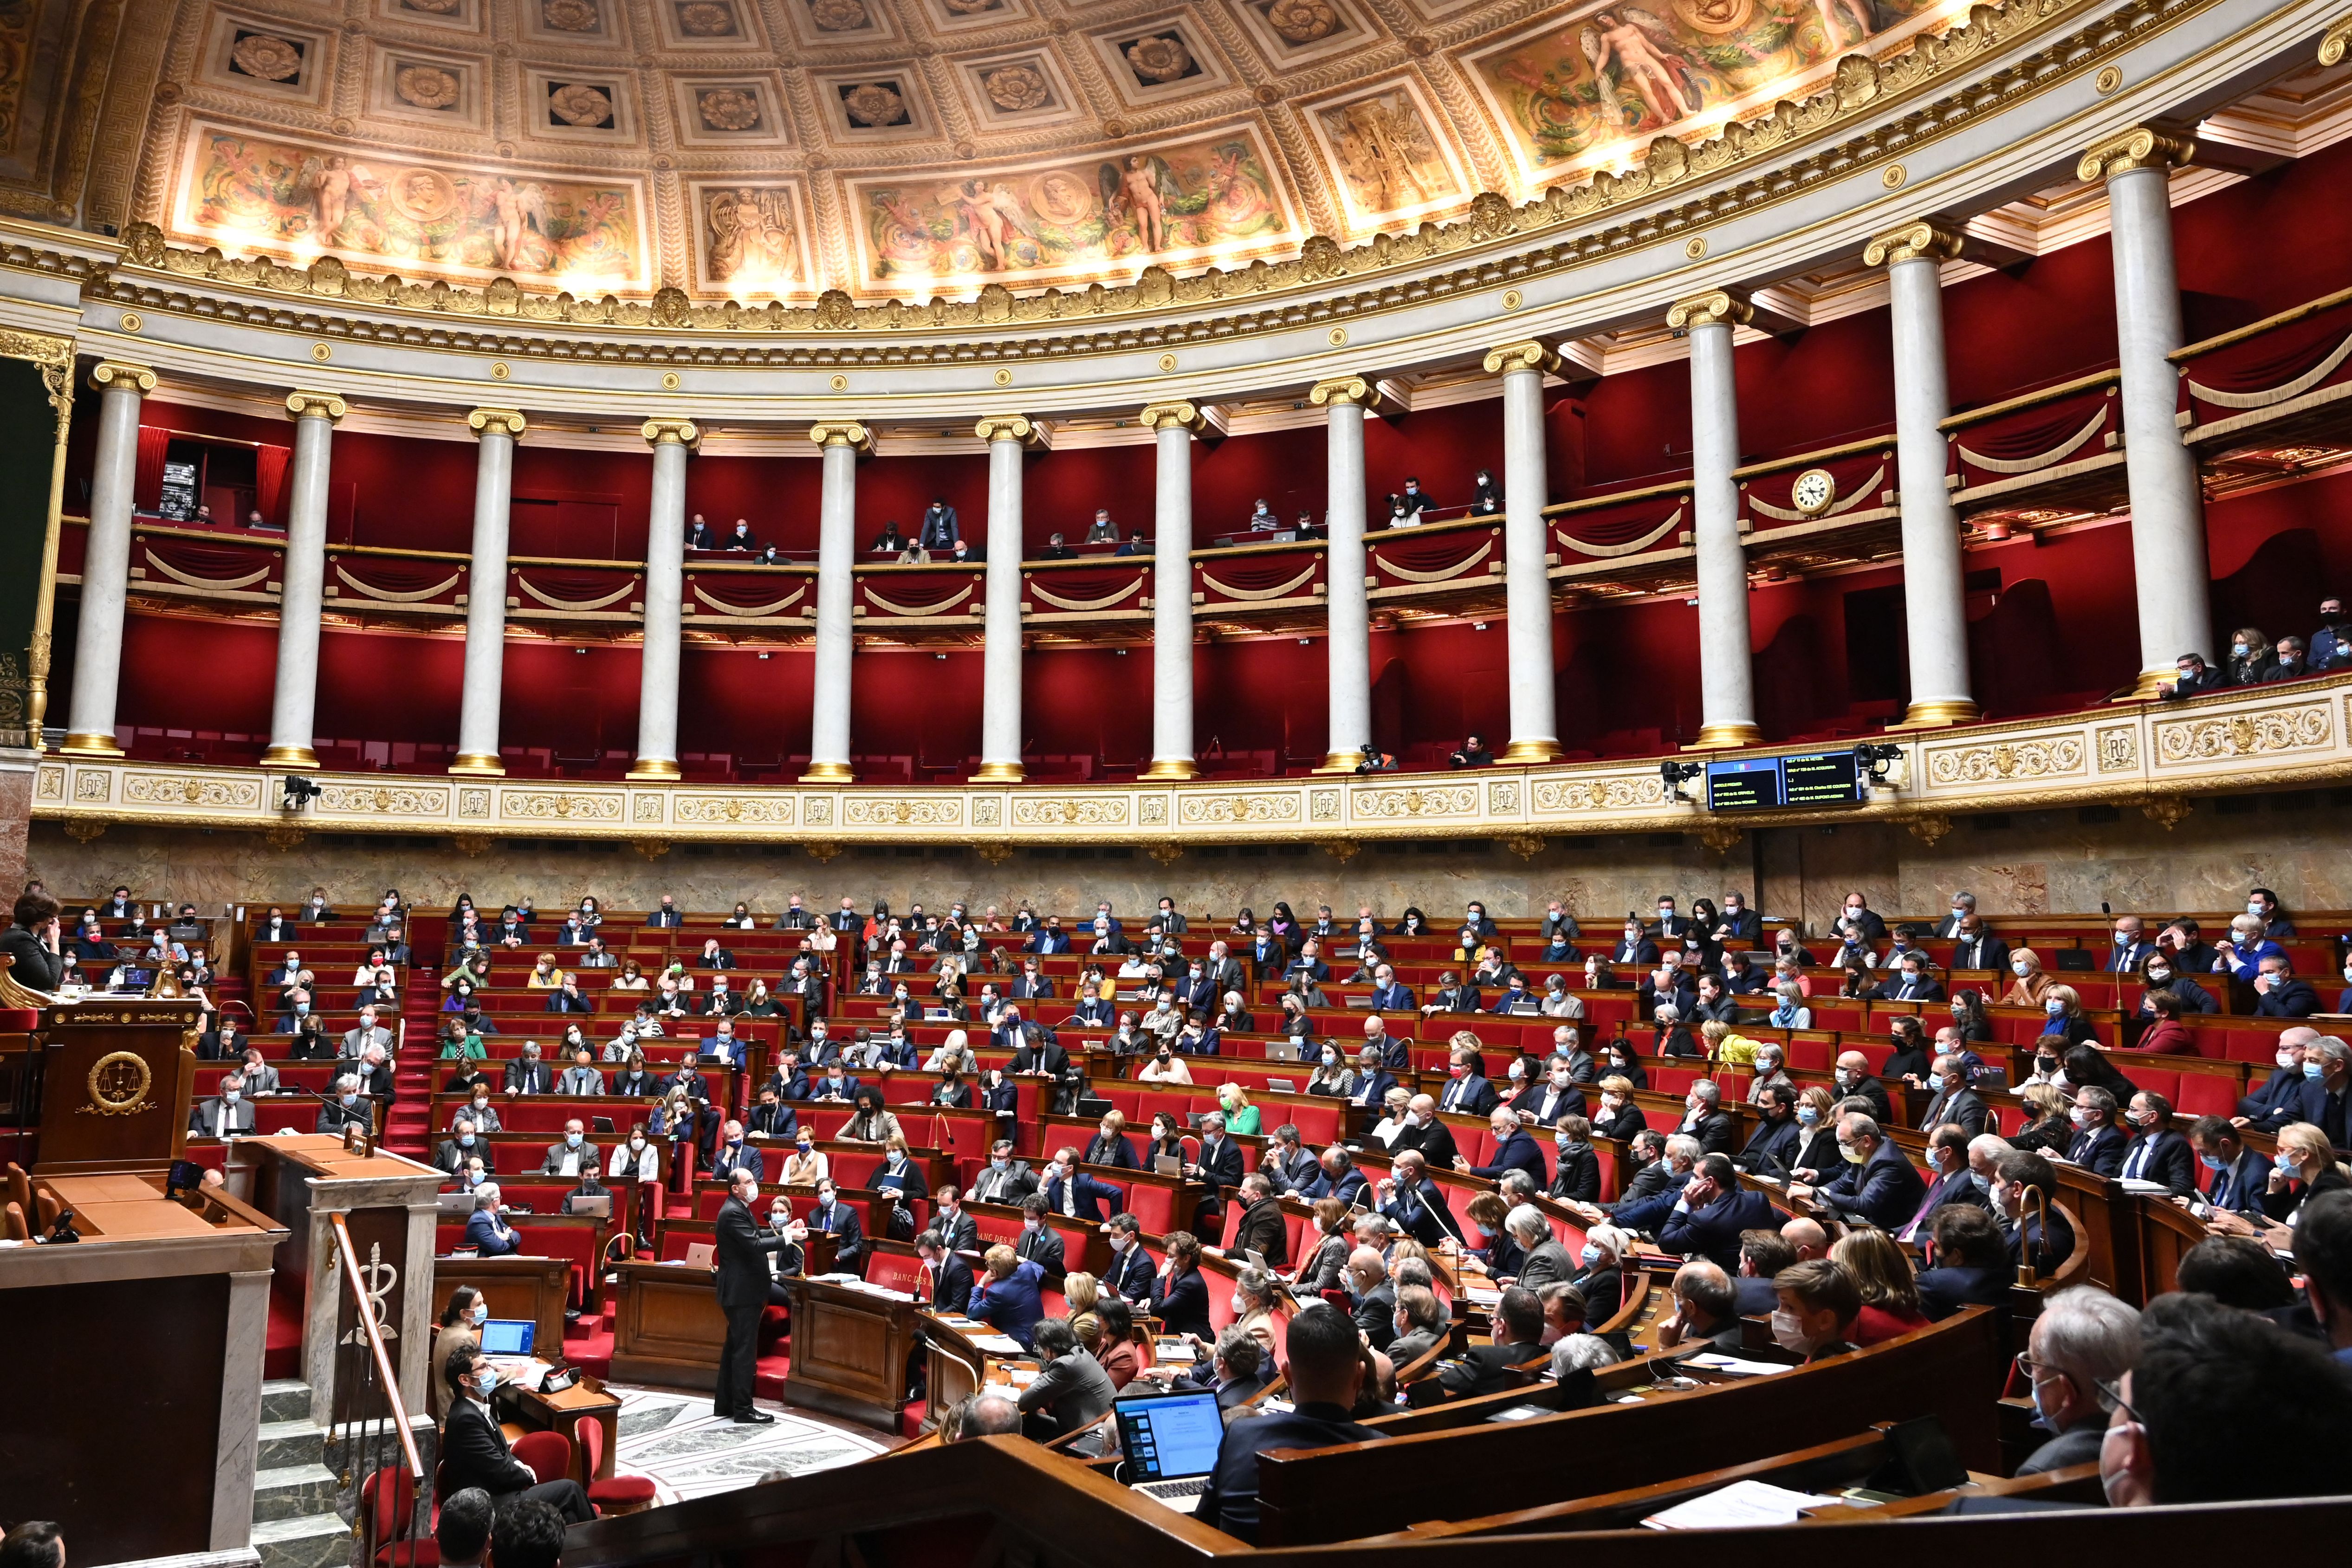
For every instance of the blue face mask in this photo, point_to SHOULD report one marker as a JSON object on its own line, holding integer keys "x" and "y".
{"x": 2286, "y": 1162}
{"x": 464, "y": 1139}
{"x": 571, "y": 1139}
{"x": 2312, "y": 1069}
{"x": 1590, "y": 1255}
{"x": 2209, "y": 1163}
{"x": 1807, "y": 1115}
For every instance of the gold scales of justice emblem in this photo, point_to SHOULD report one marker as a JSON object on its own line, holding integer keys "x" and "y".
{"x": 119, "y": 1085}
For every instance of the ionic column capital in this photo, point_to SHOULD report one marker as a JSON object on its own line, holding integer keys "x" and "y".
{"x": 327, "y": 405}
{"x": 1527, "y": 355}
{"x": 1020, "y": 427}
{"x": 498, "y": 422}
{"x": 670, "y": 432}
{"x": 1717, "y": 306}
{"x": 1921, "y": 240}
{"x": 112, "y": 373}
{"x": 1184, "y": 415}
{"x": 2141, "y": 147}
{"x": 842, "y": 433}
{"x": 1355, "y": 389}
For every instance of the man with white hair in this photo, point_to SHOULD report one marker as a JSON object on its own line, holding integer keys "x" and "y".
{"x": 2083, "y": 1342}
{"x": 1578, "y": 1352}
{"x": 1683, "y": 1153}
{"x": 986, "y": 1415}
{"x": 486, "y": 1230}
{"x": 349, "y": 1108}
{"x": 1547, "y": 1260}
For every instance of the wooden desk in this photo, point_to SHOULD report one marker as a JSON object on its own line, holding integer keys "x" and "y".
{"x": 667, "y": 1327}
{"x": 850, "y": 1350}
{"x": 538, "y": 1288}
{"x": 2166, "y": 1232}
{"x": 955, "y": 1368}
{"x": 587, "y": 1400}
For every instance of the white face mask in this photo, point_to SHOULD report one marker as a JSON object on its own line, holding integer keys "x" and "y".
{"x": 1788, "y": 1335}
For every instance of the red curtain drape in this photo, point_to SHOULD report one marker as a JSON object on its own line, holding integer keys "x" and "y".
{"x": 269, "y": 464}
{"x": 147, "y": 482}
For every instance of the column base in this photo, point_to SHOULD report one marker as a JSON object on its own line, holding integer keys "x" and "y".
{"x": 289, "y": 757}
{"x": 1545, "y": 750}
{"x": 93, "y": 746}
{"x": 1722, "y": 737}
{"x": 829, "y": 772}
{"x": 1165, "y": 770}
{"x": 1341, "y": 761}
{"x": 661, "y": 769}
{"x": 481, "y": 764}
{"x": 2148, "y": 687}
{"x": 1936, "y": 712}
{"x": 999, "y": 773}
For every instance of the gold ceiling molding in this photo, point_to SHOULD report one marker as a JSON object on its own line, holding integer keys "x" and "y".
{"x": 1858, "y": 87}
{"x": 2145, "y": 755}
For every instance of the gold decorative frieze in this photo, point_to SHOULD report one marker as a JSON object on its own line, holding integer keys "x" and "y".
{"x": 1417, "y": 800}
{"x": 386, "y": 799}
{"x": 1087, "y": 811}
{"x": 188, "y": 789}
{"x": 728, "y": 810}
{"x": 902, "y": 811}
{"x": 2018, "y": 759}
{"x": 1598, "y": 795}
{"x": 2300, "y": 729}
{"x": 1193, "y": 810}
{"x": 559, "y": 806}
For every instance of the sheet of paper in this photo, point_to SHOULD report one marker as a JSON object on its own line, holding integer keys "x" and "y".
{"x": 1734, "y": 1364}
{"x": 1741, "y": 1505}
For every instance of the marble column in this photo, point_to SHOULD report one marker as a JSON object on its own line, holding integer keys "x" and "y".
{"x": 2169, "y": 567}
{"x": 106, "y": 562}
{"x": 486, "y": 590}
{"x": 293, "y": 710}
{"x": 1171, "y": 590}
{"x": 1527, "y": 566}
{"x": 1727, "y": 683}
{"x": 836, "y": 551}
{"x": 1933, "y": 580}
{"x": 672, "y": 440}
{"x": 1349, "y": 624}
{"x": 1008, "y": 435}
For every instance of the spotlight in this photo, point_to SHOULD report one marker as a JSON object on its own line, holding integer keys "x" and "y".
{"x": 1674, "y": 775}
{"x": 300, "y": 791}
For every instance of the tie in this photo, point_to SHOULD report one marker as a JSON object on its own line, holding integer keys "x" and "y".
{"x": 1070, "y": 1198}
{"x": 2138, "y": 1161}
{"x": 2221, "y": 1185}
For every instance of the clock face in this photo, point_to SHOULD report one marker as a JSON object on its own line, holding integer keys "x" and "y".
{"x": 1813, "y": 492}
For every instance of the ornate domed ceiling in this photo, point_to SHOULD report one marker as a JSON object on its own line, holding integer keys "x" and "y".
{"x": 775, "y": 149}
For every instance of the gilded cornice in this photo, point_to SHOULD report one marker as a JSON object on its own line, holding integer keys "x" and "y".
{"x": 2155, "y": 755}
{"x": 1350, "y": 389}
{"x": 1920, "y": 240}
{"x": 670, "y": 432}
{"x": 1494, "y": 228}
{"x": 2141, "y": 147}
{"x": 498, "y": 421}
{"x": 41, "y": 349}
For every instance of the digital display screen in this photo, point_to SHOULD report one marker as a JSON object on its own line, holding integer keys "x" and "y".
{"x": 1744, "y": 785}
{"x": 1809, "y": 778}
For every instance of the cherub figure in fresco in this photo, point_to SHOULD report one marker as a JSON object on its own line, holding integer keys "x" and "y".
{"x": 329, "y": 182}
{"x": 1138, "y": 190}
{"x": 983, "y": 222}
{"x": 518, "y": 209}
{"x": 1855, "y": 11}
{"x": 1634, "y": 52}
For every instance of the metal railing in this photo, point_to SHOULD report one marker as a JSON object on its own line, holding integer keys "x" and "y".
{"x": 370, "y": 1430}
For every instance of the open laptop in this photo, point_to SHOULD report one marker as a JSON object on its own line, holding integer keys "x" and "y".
{"x": 509, "y": 1336}
{"x": 457, "y": 1206}
{"x": 1280, "y": 1085}
{"x": 1170, "y": 1443}
{"x": 701, "y": 1255}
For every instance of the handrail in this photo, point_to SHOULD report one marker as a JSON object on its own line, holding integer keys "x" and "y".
{"x": 2286, "y": 318}
{"x": 1617, "y": 498}
{"x": 1878, "y": 443}
{"x": 1961, "y": 421}
{"x": 359, "y": 1299}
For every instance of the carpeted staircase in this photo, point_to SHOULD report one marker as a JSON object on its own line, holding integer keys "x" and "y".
{"x": 408, "y": 1125}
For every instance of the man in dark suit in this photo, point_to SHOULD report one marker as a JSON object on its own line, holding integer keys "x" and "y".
{"x": 1071, "y": 1192}
{"x": 951, "y": 1274}
{"x": 1777, "y": 1136}
{"x": 1287, "y": 1163}
{"x": 1877, "y": 1184}
{"x": 1948, "y": 1180}
{"x": 2240, "y": 1174}
{"x": 1911, "y": 983}
{"x": 1373, "y": 1081}
{"x": 1705, "y": 1119}
{"x": 1973, "y": 947}
{"x": 2281, "y": 994}
{"x": 1424, "y": 1131}
{"x": 2156, "y": 1152}
{"x": 1467, "y": 1091}
{"x": 1410, "y": 1201}
{"x": 743, "y": 1285}
{"x": 1712, "y": 1212}
{"x": 1326, "y": 1371}
{"x": 1038, "y": 1242}
{"x": 1388, "y": 996}
{"x": 1221, "y": 1157}
{"x": 1004, "y": 1180}
{"x": 666, "y": 916}
{"x": 1955, "y": 1101}
{"x": 957, "y": 1230}
{"x": 228, "y": 1113}
{"x": 773, "y": 1117}
{"x": 1543, "y": 1104}
{"x": 486, "y": 1230}
{"x": 1514, "y": 1151}
{"x": 1261, "y": 1228}
{"x": 940, "y": 531}
{"x": 1048, "y": 939}
{"x": 700, "y": 535}
{"x": 1071, "y": 1390}
{"x": 1853, "y": 1078}
{"x": 2098, "y": 1144}
{"x": 529, "y": 1075}
{"x": 1518, "y": 1338}
{"x": 2130, "y": 950}
{"x": 845, "y": 920}
{"x": 1543, "y": 1260}
{"x": 2048, "y": 1245}
{"x": 1128, "y": 1273}
{"x": 1395, "y": 1052}
{"x": 735, "y": 1154}
{"x": 838, "y": 1220}
{"x": 2278, "y": 1098}
{"x": 1374, "y": 1295}
{"x": 1336, "y": 1176}
{"x": 474, "y": 1452}
{"x": 1634, "y": 947}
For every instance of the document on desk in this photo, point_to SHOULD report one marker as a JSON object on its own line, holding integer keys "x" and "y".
{"x": 996, "y": 1345}
{"x": 1742, "y": 1505}
{"x": 1734, "y": 1364}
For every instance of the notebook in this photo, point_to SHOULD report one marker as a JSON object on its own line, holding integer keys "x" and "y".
{"x": 1170, "y": 1443}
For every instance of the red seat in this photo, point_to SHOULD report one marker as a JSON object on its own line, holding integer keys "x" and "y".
{"x": 389, "y": 1496}
{"x": 2208, "y": 1094}
{"x": 547, "y": 1455}
{"x": 620, "y": 1494}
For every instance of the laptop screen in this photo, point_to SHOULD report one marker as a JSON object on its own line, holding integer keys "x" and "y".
{"x": 509, "y": 1336}
{"x": 1172, "y": 1437}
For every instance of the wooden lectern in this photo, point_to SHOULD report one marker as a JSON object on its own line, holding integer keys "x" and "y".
{"x": 116, "y": 1077}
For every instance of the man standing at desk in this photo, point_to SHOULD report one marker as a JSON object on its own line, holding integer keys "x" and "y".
{"x": 743, "y": 1285}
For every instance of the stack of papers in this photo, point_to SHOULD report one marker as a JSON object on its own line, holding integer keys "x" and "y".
{"x": 1742, "y": 1505}
{"x": 1735, "y": 1365}
{"x": 997, "y": 1344}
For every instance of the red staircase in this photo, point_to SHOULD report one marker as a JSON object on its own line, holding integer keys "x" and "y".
{"x": 408, "y": 1125}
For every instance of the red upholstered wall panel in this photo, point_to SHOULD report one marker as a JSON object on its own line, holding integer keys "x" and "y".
{"x": 1086, "y": 702}
{"x": 900, "y": 488}
{"x": 2064, "y": 627}
{"x": 620, "y": 484}
{"x": 1060, "y": 491}
{"x": 2229, "y": 246}
{"x": 777, "y": 496}
{"x": 230, "y": 691}
{"x": 735, "y": 703}
{"x": 2006, "y": 332}
{"x": 575, "y": 704}
{"x": 1637, "y": 425}
{"x": 406, "y": 493}
{"x": 914, "y": 703}
{"x": 1827, "y": 384}
{"x": 1265, "y": 694}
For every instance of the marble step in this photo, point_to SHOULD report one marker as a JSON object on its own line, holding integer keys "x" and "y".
{"x": 307, "y": 1541}
{"x": 285, "y": 1399}
{"x": 285, "y": 1443}
{"x": 294, "y": 1490}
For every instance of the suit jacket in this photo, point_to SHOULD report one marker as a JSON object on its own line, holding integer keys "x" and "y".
{"x": 1221, "y": 1164}
{"x": 1371, "y": 1089}
{"x": 1955, "y": 1189}
{"x": 1883, "y": 1189}
{"x": 489, "y": 1235}
{"x": 1042, "y": 1247}
{"x": 1375, "y": 1315}
{"x": 1549, "y": 1262}
{"x": 2101, "y": 1150}
{"x": 1072, "y": 1390}
{"x": 1392, "y": 998}
{"x": 940, "y": 529}
{"x": 2164, "y": 1156}
{"x": 1714, "y": 1131}
{"x": 1230, "y": 1503}
{"x": 1927, "y": 988}
{"x": 779, "y": 1120}
{"x": 1962, "y": 1106}
{"x": 951, "y": 1284}
{"x": 1350, "y": 1188}
{"x": 2238, "y": 1188}
{"x": 1470, "y": 1095}
{"x": 730, "y": 1159}
{"x": 1262, "y": 1230}
{"x": 1048, "y": 942}
{"x": 1182, "y": 1303}
{"x": 2295, "y": 999}
{"x": 1435, "y": 1140}
{"x": 474, "y": 1452}
{"x": 1013, "y": 1304}
{"x": 206, "y": 1117}
{"x": 528, "y": 1077}
{"x": 1982, "y": 951}
{"x": 1418, "y": 1210}
{"x": 1087, "y": 1198}
{"x": 848, "y": 1235}
{"x": 1548, "y": 1104}
{"x": 961, "y": 1233}
{"x": 742, "y": 1259}
{"x": 1771, "y": 1150}
{"x": 1006, "y": 1186}
{"x": 1517, "y": 1152}
{"x": 1129, "y": 1273}
{"x": 2051, "y": 1247}
{"x": 1484, "y": 1369}
{"x": 1713, "y": 1232}
{"x": 1576, "y": 1173}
